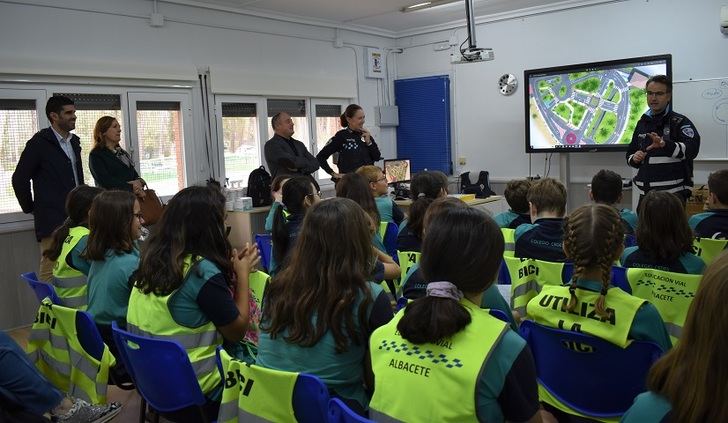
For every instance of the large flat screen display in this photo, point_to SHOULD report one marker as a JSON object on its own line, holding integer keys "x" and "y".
{"x": 588, "y": 106}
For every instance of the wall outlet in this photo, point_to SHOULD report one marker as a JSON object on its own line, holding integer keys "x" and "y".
{"x": 462, "y": 161}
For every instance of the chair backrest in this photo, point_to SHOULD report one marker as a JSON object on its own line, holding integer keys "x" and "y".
{"x": 265, "y": 246}
{"x": 499, "y": 314}
{"x": 388, "y": 231}
{"x": 308, "y": 397}
{"x": 161, "y": 371}
{"x": 88, "y": 335}
{"x": 588, "y": 374}
{"x": 341, "y": 413}
{"x": 708, "y": 249}
{"x": 41, "y": 289}
{"x": 630, "y": 240}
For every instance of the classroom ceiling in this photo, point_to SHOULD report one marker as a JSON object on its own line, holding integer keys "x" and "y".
{"x": 386, "y": 15}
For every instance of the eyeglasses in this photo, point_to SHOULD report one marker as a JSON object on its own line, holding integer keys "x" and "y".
{"x": 383, "y": 178}
{"x": 655, "y": 93}
{"x": 315, "y": 194}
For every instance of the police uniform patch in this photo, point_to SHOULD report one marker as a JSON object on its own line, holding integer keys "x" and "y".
{"x": 688, "y": 131}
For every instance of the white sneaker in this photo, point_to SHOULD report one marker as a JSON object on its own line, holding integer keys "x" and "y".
{"x": 83, "y": 412}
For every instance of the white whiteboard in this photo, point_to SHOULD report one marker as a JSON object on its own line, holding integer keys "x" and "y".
{"x": 705, "y": 103}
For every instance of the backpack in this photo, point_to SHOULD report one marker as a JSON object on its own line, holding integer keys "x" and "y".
{"x": 481, "y": 188}
{"x": 259, "y": 187}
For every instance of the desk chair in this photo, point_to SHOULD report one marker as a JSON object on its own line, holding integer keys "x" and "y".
{"x": 265, "y": 246}
{"x": 247, "y": 395}
{"x": 161, "y": 372}
{"x": 588, "y": 374}
{"x": 41, "y": 289}
{"x": 341, "y": 413}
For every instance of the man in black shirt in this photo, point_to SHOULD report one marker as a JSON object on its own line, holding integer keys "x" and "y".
{"x": 664, "y": 144}
{"x": 286, "y": 155}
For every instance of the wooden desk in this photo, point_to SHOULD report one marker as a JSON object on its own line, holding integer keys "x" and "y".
{"x": 245, "y": 224}
{"x": 492, "y": 205}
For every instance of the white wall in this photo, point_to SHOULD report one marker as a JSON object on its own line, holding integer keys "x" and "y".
{"x": 489, "y": 128}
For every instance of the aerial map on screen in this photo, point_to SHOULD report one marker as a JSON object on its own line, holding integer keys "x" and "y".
{"x": 597, "y": 106}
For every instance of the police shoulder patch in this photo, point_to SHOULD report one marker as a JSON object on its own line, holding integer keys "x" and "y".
{"x": 688, "y": 131}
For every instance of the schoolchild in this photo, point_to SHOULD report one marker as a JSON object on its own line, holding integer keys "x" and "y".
{"x": 67, "y": 245}
{"x": 542, "y": 239}
{"x": 606, "y": 188}
{"x": 688, "y": 384}
{"x": 414, "y": 355}
{"x": 192, "y": 284}
{"x": 414, "y": 286}
{"x": 664, "y": 239}
{"x": 389, "y": 211}
{"x": 319, "y": 311}
{"x": 516, "y": 194}
{"x": 276, "y": 191}
{"x": 426, "y": 186}
{"x": 713, "y": 223}
{"x": 593, "y": 239}
{"x": 298, "y": 194}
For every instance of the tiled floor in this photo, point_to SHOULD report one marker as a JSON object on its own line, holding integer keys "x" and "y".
{"x": 130, "y": 399}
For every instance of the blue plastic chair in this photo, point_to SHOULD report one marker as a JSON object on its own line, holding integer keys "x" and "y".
{"x": 390, "y": 240}
{"x": 630, "y": 240}
{"x": 341, "y": 413}
{"x": 265, "y": 247}
{"x": 162, "y": 373}
{"x": 41, "y": 289}
{"x": 499, "y": 314}
{"x": 601, "y": 379}
{"x": 310, "y": 396}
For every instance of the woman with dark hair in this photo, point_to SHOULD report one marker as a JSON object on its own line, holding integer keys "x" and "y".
{"x": 425, "y": 188}
{"x": 444, "y": 346}
{"x": 319, "y": 311}
{"x": 115, "y": 222}
{"x": 664, "y": 238}
{"x": 67, "y": 245}
{"x": 192, "y": 284}
{"x": 688, "y": 384}
{"x": 354, "y": 144}
{"x": 298, "y": 194}
{"x": 111, "y": 166}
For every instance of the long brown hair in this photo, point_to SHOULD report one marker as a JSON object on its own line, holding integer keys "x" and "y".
{"x": 325, "y": 278}
{"x": 355, "y": 186}
{"x": 102, "y": 125}
{"x": 78, "y": 203}
{"x": 110, "y": 224}
{"x": 693, "y": 375}
{"x": 426, "y": 186}
{"x": 593, "y": 238}
{"x": 193, "y": 223}
{"x": 663, "y": 231}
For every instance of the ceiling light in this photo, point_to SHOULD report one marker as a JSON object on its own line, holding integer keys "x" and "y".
{"x": 427, "y": 5}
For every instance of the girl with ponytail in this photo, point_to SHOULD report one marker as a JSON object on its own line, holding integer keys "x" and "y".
{"x": 445, "y": 339}
{"x": 593, "y": 240}
{"x": 426, "y": 187}
{"x": 69, "y": 241}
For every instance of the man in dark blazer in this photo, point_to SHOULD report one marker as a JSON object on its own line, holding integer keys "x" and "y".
{"x": 284, "y": 154}
{"x": 52, "y": 160}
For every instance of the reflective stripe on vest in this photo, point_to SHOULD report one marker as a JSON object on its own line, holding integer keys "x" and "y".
{"x": 70, "y": 284}
{"x": 708, "y": 249}
{"x": 671, "y": 293}
{"x": 549, "y": 309}
{"x": 509, "y": 237}
{"x": 527, "y": 278}
{"x": 255, "y": 394}
{"x": 54, "y": 348}
{"x": 410, "y": 379}
{"x": 148, "y": 315}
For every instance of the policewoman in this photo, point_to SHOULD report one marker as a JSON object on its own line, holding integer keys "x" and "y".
{"x": 593, "y": 240}
{"x": 444, "y": 347}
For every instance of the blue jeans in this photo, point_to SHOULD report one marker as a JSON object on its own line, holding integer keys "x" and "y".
{"x": 20, "y": 382}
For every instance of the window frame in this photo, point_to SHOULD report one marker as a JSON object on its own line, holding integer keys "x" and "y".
{"x": 313, "y": 102}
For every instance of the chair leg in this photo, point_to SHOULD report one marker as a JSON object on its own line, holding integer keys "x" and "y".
{"x": 142, "y": 410}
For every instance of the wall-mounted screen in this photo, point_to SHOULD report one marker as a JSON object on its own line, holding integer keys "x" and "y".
{"x": 588, "y": 106}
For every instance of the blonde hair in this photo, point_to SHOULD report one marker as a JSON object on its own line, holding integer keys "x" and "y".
{"x": 593, "y": 237}
{"x": 370, "y": 172}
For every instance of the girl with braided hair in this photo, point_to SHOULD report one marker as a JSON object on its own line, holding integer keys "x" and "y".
{"x": 593, "y": 236}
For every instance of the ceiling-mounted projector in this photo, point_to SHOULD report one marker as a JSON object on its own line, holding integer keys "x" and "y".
{"x": 472, "y": 53}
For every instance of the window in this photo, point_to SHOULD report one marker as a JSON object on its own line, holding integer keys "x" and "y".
{"x": 18, "y": 123}
{"x": 89, "y": 109}
{"x": 241, "y": 141}
{"x": 327, "y": 121}
{"x": 297, "y": 110}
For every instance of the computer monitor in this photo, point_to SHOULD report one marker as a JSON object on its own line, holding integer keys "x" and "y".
{"x": 397, "y": 171}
